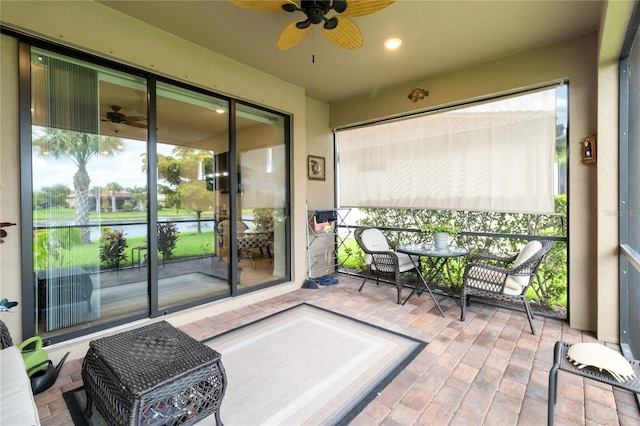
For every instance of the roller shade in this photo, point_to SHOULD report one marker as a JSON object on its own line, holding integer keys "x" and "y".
{"x": 497, "y": 156}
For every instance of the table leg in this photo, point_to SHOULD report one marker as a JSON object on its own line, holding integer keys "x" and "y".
{"x": 419, "y": 292}
{"x": 436, "y": 267}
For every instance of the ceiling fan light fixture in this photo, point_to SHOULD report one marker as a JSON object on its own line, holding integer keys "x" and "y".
{"x": 392, "y": 43}
{"x": 116, "y": 127}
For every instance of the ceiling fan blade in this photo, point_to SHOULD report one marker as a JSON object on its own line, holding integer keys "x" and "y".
{"x": 131, "y": 119}
{"x": 142, "y": 126}
{"x": 292, "y": 35}
{"x": 265, "y": 5}
{"x": 365, "y": 7}
{"x": 346, "y": 34}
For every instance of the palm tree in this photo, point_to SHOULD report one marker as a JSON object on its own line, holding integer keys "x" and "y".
{"x": 79, "y": 148}
{"x": 113, "y": 187}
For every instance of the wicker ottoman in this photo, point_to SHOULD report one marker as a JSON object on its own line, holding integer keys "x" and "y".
{"x": 155, "y": 374}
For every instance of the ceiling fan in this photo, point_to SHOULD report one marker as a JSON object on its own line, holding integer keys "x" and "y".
{"x": 117, "y": 119}
{"x": 338, "y": 28}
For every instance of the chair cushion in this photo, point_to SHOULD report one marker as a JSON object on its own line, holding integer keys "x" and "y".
{"x": 515, "y": 283}
{"x": 373, "y": 240}
{"x": 17, "y": 405}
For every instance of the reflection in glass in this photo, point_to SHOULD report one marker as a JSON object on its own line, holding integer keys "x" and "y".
{"x": 91, "y": 231}
{"x": 261, "y": 157}
{"x": 87, "y": 183}
{"x": 192, "y": 130}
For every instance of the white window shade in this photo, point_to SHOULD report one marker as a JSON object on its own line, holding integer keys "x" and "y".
{"x": 496, "y": 156}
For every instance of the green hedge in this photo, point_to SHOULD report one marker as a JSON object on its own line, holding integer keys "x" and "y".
{"x": 549, "y": 287}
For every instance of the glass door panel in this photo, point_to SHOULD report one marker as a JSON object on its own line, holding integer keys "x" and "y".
{"x": 192, "y": 138}
{"x": 89, "y": 193}
{"x": 262, "y": 196}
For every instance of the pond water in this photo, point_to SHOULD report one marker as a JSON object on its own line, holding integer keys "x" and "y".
{"x": 138, "y": 230}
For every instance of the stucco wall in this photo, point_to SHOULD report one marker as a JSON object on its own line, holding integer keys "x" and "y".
{"x": 89, "y": 27}
{"x": 573, "y": 60}
{"x": 10, "y": 183}
{"x": 611, "y": 38}
{"x": 320, "y": 144}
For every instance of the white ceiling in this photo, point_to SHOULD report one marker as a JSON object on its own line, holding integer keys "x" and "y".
{"x": 438, "y": 37}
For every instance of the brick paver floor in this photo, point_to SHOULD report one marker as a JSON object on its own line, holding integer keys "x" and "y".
{"x": 488, "y": 370}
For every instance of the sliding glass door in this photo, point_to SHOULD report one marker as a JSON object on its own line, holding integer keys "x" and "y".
{"x": 132, "y": 209}
{"x": 261, "y": 196}
{"x": 192, "y": 130}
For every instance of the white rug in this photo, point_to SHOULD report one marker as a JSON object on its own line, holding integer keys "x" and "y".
{"x": 307, "y": 365}
{"x": 302, "y": 366}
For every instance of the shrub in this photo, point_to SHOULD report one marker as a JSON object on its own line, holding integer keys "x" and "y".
{"x": 167, "y": 238}
{"x": 550, "y": 284}
{"x": 112, "y": 251}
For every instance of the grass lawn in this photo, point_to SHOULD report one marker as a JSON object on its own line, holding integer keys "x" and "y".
{"x": 189, "y": 244}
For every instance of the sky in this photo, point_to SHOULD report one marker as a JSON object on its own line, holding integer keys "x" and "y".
{"x": 124, "y": 169}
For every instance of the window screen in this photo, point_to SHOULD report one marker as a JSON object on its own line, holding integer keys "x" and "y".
{"x": 495, "y": 156}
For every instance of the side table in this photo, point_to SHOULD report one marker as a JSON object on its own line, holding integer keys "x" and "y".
{"x": 153, "y": 374}
{"x": 560, "y": 362}
{"x": 437, "y": 259}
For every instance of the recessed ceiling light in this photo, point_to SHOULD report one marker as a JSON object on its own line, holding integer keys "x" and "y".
{"x": 220, "y": 111}
{"x": 392, "y": 43}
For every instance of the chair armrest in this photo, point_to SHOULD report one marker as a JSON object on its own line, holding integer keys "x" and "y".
{"x": 493, "y": 268}
{"x": 383, "y": 253}
{"x": 35, "y": 340}
{"x": 493, "y": 257}
{"x": 522, "y": 270}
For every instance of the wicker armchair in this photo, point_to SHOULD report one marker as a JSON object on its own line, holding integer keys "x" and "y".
{"x": 383, "y": 262}
{"x": 504, "y": 278}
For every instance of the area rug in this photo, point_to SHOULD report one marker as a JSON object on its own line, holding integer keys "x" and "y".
{"x": 301, "y": 366}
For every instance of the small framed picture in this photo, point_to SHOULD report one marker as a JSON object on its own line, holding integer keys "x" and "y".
{"x": 315, "y": 168}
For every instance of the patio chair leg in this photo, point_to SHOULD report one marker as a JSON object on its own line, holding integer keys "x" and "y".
{"x": 529, "y": 314}
{"x": 553, "y": 381}
{"x": 552, "y": 398}
{"x": 87, "y": 411}
{"x": 364, "y": 281}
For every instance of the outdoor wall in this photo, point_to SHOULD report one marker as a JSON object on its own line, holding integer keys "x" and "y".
{"x": 611, "y": 38}
{"x": 573, "y": 60}
{"x": 10, "y": 276}
{"x": 320, "y": 144}
{"x": 89, "y": 26}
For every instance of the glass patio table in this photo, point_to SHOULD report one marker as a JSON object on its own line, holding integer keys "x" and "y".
{"x": 436, "y": 260}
